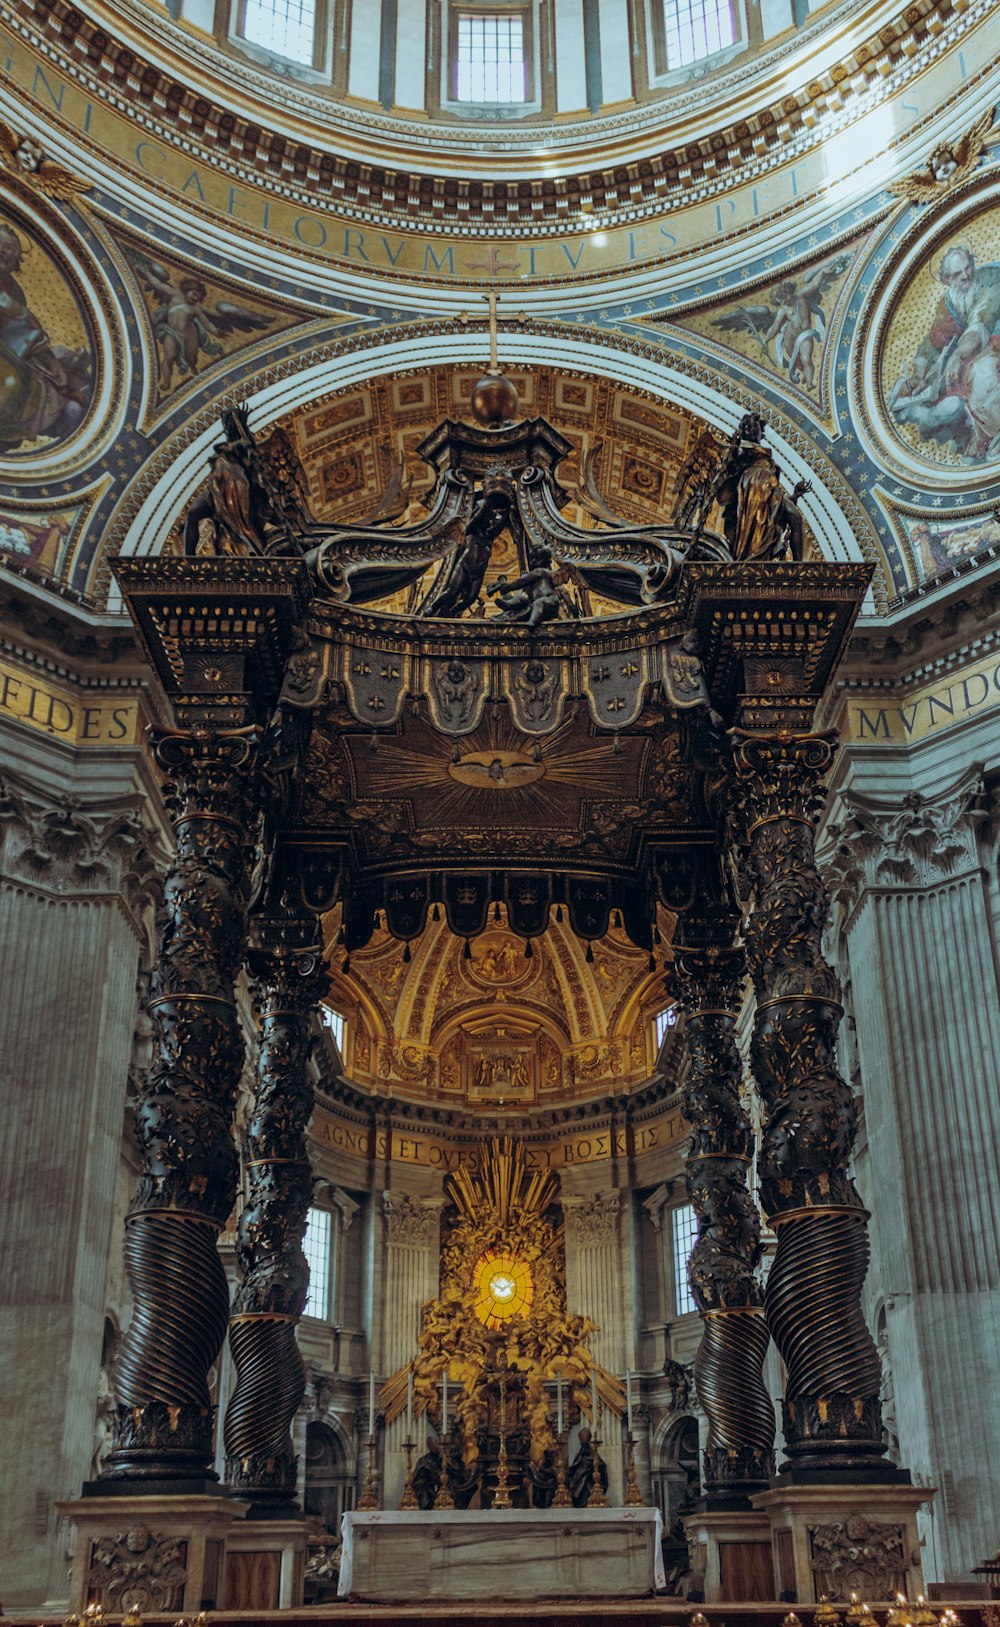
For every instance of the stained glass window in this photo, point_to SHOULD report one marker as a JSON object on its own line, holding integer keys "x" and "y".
{"x": 316, "y": 1247}
{"x": 503, "y": 1285}
{"x": 685, "y": 1236}
{"x": 697, "y": 28}
{"x": 286, "y": 27}
{"x": 490, "y": 65}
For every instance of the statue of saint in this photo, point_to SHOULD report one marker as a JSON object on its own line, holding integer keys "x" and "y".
{"x": 428, "y": 1474}
{"x": 581, "y": 1470}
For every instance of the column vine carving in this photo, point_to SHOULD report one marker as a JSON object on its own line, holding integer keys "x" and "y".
{"x": 729, "y": 1365}
{"x": 289, "y": 976}
{"x": 832, "y": 1416}
{"x": 183, "y": 1117}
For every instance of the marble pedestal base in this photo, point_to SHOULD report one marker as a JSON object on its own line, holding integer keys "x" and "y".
{"x": 151, "y": 1553}
{"x": 731, "y": 1555}
{"x": 840, "y": 1540}
{"x": 577, "y": 1553}
{"x": 265, "y": 1564}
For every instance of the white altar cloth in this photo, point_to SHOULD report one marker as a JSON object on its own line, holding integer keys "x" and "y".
{"x": 518, "y": 1553}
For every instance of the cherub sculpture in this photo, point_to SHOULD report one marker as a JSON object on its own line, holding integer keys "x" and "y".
{"x": 532, "y": 597}
{"x": 948, "y": 164}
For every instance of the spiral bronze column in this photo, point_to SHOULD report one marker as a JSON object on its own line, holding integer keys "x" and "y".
{"x": 739, "y": 1457}
{"x": 832, "y": 1416}
{"x": 163, "y": 1427}
{"x": 289, "y": 978}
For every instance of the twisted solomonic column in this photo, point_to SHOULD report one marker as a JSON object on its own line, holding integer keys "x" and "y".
{"x": 739, "y": 1456}
{"x": 289, "y": 978}
{"x": 164, "y": 1426}
{"x": 813, "y": 1298}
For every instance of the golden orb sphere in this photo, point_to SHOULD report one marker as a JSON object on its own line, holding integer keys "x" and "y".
{"x": 494, "y": 400}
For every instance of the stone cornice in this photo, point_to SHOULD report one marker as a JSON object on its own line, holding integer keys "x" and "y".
{"x": 615, "y": 184}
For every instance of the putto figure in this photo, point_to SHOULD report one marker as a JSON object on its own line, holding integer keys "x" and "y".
{"x": 185, "y": 327}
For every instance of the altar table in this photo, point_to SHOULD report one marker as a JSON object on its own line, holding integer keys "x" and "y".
{"x": 518, "y": 1553}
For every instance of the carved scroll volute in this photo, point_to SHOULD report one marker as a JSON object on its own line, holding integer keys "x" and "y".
{"x": 814, "y": 1288}
{"x": 728, "y": 1368}
{"x": 183, "y": 1118}
{"x": 289, "y": 979}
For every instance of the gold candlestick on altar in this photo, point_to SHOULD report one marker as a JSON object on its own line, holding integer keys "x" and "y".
{"x": 444, "y": 1499}
{"x": 633, "y": 1496}
{"x": 369, "y": 1497}
{"x": 598, "y": 1496}
{"x": 562, "y": 1498}
{"x": 501, "y": 1497}
{"x": 409, "y": 1498}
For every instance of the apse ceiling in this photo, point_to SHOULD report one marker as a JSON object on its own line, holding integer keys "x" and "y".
{"x": 487, "y": 1027}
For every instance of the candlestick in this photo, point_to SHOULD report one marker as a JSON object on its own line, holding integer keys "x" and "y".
{"x": 444, "y": 1401}
{"x": 628, "y": 1398}
{"x": 633, "y": 1496}
{"x": 562, "y": 1498}
{"x": 369, "y": 1497}
{"x": 559, "y": 1415}
{"x": 409, "y": 1402}
{"x": 598, "y": 1496}
{"x": 409, "y": 1497}
{"x": 371, "y": 1403}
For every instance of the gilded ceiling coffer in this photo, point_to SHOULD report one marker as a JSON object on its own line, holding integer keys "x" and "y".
{"x": 288, "y": 980}
{"x": 708, "y": 975}
{"x": 832, "y": 1416}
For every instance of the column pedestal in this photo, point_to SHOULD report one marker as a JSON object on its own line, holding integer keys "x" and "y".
{"x": 265, "y": 1565}
{"x": 150, "y": 1553}
{"x": 732, "y": 1551}
{"x": 840, "y": 1539}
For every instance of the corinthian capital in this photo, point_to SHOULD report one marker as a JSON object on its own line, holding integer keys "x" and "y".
{"x": 912, "y": 842}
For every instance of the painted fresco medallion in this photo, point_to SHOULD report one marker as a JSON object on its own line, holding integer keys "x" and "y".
{"x": 48, "y": 351}
{"x": 939, "y": 360}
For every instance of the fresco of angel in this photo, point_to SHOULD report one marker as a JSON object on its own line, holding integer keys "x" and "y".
{"x": 184, "y": 325}
{"x": 793, "y": 321}
{"x": 948, "y": 164}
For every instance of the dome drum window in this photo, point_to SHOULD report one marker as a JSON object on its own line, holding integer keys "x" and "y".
{"x": 490, "y": 61}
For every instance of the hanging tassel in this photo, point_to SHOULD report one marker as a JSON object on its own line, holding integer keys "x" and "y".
{"x": 467, "y": 952}
{"x": 589, "y": 956}
{"x": 496, "y": 910}
{"x": 346, "y": 968}
{"x": 456, "y": 755}
{"x": 373, "y": 742}
{"x": 528, "y": 951}
{"x": 537, "y": 752}
{"x": 651, "y": 965}
{"x": 616, "y": 745}
{"x": 436, "y": 913}
{"x": 407, "y": 957}
{"x": 618, "y": 919}
{"x": 559, "y": 913}
{"x": 656, "y": 935}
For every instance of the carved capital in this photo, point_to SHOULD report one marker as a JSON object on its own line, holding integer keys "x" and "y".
{"x": 592, "y": 1222}
{"x": 67, "y": 847}
{"x": 408, "y": 1221}
{"x": 909, "y": 844}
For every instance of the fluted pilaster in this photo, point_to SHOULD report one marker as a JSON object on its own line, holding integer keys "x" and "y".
{"x": 739, "y": 1454}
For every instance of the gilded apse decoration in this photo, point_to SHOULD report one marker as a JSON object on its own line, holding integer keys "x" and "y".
{"x": 289, "y": 978}
{"x": 708, "y": 975}
{"x": 813, "y": 1295}
{"x": 25, "y": 159}
{"x": 184, "y": 1114}
{"x": 502, "y": 1303}
{"x": 939, "y": 365}
{"x": 47, "y": 345}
